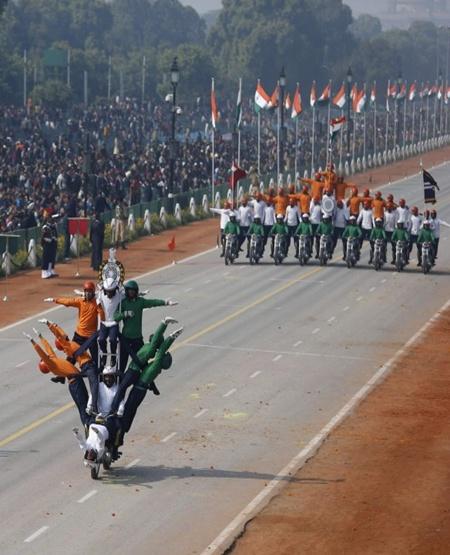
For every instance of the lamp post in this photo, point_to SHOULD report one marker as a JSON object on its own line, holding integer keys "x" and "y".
{"x": 349, "y": 93}
{"x": 174, "y": 78}
{"x": 281, "y": 109}
{"x": 441, "y": 100}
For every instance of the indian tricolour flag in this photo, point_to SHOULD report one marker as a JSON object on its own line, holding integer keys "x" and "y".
{"x": 359, "y": 101}
{"x": 262, "y": 99}
{"x": 287, "y": 102}
{"x": 296, "y": 103}
{"x": 339, "y": 99}
{"x": 336, "y": 125}
{"x": 412, "y": 92}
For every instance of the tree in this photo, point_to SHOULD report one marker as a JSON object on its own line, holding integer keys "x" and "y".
{"x": 52, "y": 93}
{"x": 366, "y": 27}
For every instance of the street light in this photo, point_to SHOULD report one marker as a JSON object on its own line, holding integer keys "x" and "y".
{"x": 174, "y": 79}
{"x": 349, "y": 92}
{"x": 281, "y": 112}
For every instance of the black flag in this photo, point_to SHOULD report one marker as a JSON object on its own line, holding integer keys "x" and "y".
{"x": 429, "y": 184}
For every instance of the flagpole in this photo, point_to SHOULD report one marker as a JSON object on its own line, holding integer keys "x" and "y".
{"x": 375, "y": 124}
{"x": 313, "y": 140}
{"x": 405, "y": 106}
{"x": 296, "y": 149}
{"x": 354, "y": 138}
{"x": 213, "y": 154}
{"x": 327, "y": 127}
{"x": 428, "y": 119}
{"x": 435, "y": 115}
{"x": 239, "y": 123}
{"x": 386, "y": 138}
{"x": 421, "y": 116}
{"x": 364, "y": 140}
{"x": 341, "y": 145}
{"x": 278, "y": 132}
{"x": 395, "y": 123}
{"x": 259, "y": 143}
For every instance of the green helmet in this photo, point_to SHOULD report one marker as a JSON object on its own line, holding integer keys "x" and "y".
{"x": 132, "y": 285}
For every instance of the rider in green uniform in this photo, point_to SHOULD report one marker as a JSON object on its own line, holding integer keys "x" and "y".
{"x": 400, "y": 234}
{"x": 130, "y": 313}
{"x": 278, "y": 228}
{"x": 324, "y": 228}
{"x": 377, "y": 233}
{"x": 426, "y": 235}
{"x": 305, "y": 228}
{"x": 351, "y": 231}
{"x": 256, "y": 228}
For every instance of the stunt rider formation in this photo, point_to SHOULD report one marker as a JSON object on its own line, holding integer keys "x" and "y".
{"x": 100, "y": 353}
{"x": 316, "y": 218}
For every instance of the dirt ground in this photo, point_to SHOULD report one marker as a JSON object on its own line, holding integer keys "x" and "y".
{"x": 381, "y": 483}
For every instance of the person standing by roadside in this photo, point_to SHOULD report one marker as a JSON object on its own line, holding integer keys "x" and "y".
{"x": 97, "y": 238}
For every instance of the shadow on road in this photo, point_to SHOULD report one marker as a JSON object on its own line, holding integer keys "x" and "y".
{"x": 147, "y": 475}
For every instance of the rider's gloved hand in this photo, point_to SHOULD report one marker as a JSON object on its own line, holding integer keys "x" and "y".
{"x": 43, "y": 321}
{"x": 49, "y": 300}
{"x": 169, "y": 302}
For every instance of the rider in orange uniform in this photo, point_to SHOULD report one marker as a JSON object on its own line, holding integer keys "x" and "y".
{"x": 281, "y": 201}
{"x": 354, "y": 203}
{"x": 366, "y": 198}
{"x": 304, "y": 200}
{"x": 378, "y": 206}
{"x": 341, "y": 187}
{"x": 316, "y": 185}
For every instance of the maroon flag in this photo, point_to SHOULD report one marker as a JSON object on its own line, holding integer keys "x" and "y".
{"x": 237, "y": 174}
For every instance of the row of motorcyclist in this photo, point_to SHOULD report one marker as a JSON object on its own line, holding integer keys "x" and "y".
{"x": 325, "y": 228}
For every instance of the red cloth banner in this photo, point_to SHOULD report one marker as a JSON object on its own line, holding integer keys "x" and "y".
{"x": 79, "y": 226}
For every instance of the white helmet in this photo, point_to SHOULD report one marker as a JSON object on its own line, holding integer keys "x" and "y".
{"x": 110, "y": 283}
{"x": 109, "y": 371}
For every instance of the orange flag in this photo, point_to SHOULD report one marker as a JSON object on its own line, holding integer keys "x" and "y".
{"x": 171, "y": 244}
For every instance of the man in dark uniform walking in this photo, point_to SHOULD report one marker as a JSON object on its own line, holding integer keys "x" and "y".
{"x": 97, "y": 237}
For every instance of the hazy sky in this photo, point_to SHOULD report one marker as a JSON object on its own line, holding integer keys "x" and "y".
{"x": 203, "y": 6}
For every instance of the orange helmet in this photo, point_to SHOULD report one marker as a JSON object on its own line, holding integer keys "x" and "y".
{"x": 318, "y": 176}
{"x": 390, "y": 197}
{"x": 378, "y": 194}
{"x": 305, "y": 188}
{"x": 89, "y": 286}
{"x": 366, "y": 192}
{"x": 43, "y": 367}
{"x": 291, "y": 189}
{"x": 366, "y": 204}
{"x": 58, "y": 344}
{"x": 316, "y": 199}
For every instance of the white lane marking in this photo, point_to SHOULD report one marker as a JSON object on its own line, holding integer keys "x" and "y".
{"x": 169, "y": 437}
{"x": 188, "y": 289}
{"x": 87, "y": 496}
{"x": 230, "y": 532}
{"x": 36, "y": 534}
{"x": 372, "y": 289}
{"x": 132, "y": 463}
{"x": 383, "y": 280}
{"x": 229, "y": 393}
{"x": 257, "y": 373}
{"x": 201, "y": 413}
{"x": 141, "y": 276}
{"x": 360, "y": 298}
{"x": 268, "y": 351}
{"x": 298, "y": 343}
{"x": 345, "y": 308}
{"x": 332, "y": 319}
{"x": 277, "y": 358}
{"x": 22, "y": 363}
{"x": 315, "y": 331}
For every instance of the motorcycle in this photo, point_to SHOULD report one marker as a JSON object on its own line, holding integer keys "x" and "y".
{"x": 231, "y": 248}
{"x": 304, "y": 249}
{"x": 427, "y": 257}
{"x": 378, "y": 254}
{"x": 400, "y": 255}
{"x": 324, "y": 250}
{"x": 96, "y": 444}
{"x": 256, "y": 248}
{"x": 279, "y": 249}
{"x": 352, "y": 252}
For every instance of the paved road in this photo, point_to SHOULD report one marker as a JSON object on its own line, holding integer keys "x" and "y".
{"x": 269, "y": 355}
